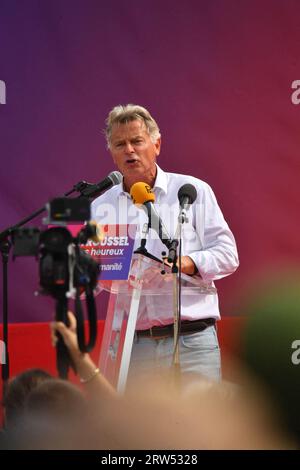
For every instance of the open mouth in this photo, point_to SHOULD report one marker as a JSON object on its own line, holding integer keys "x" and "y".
{"x": 131, "y": 160}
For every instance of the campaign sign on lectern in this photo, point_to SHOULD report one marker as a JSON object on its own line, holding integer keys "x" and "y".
{"x": 113, "y": 251}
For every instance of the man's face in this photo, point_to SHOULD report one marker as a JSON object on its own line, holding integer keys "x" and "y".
{"x": 133, "y": 151}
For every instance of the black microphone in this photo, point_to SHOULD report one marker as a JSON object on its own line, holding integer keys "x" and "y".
{"x": 187, "y": 194}
{"x": 115, "y": 177}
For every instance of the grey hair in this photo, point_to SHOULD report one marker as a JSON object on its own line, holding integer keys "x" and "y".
{"x": 123, "y": 114}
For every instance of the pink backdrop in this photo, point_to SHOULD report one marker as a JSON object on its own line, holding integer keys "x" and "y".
{"x": 216, "y": 75}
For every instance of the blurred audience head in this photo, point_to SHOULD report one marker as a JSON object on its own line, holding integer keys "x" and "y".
{"x": 55, "y": 417}
{"x": 17, "y": 391}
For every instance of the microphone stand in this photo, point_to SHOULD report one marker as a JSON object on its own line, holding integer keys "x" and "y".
{"x": 176, "y": 271}
{"x": 142, "y": 250}
{"x": 5, "y": 246}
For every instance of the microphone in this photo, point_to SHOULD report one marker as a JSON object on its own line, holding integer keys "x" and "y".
{"x": 141, "y": 193}
{"x": 115, "y": 177}
{"x": 187, "y": 194}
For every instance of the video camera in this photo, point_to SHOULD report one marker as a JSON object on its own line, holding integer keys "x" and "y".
{"x": 65, "y": 270}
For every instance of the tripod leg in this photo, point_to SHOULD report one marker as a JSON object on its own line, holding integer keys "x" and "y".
{"x": 4, "y": 248}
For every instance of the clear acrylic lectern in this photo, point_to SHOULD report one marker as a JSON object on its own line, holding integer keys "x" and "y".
{"x": 131, "y": 300}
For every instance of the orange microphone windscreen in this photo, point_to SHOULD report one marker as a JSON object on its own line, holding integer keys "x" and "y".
{"x": 141, "y": 193}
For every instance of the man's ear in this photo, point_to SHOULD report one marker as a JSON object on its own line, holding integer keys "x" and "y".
{"x": 157, "y": 146}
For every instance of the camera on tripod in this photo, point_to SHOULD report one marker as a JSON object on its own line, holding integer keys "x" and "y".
{"x": 63, "y": 266}
{"x": 65, "y": 270}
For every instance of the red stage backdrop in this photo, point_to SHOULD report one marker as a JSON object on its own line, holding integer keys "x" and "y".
{"x": 222, "y": 80}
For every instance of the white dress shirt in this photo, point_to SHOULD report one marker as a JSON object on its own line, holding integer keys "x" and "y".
{"x": 206, "y": 238}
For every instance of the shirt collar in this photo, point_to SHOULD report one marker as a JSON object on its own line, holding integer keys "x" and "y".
{"x": 161, "y": 183}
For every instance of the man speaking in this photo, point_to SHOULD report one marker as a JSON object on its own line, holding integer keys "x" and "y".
{"x": 208, "y": 246}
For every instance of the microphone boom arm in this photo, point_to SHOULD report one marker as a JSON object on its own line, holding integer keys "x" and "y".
{"x": 156, "y": 224}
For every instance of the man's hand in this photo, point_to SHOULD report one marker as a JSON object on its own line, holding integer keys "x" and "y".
{"x": 187, "y": 265}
